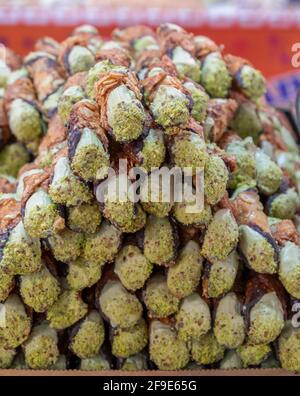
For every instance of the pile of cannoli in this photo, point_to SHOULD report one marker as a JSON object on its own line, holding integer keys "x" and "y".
{"x": 136, "y": 284}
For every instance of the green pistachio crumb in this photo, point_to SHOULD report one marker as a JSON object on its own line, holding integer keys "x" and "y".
{"x": 127, "y": 342}
{"x": 12, "y": 158}
{"x": 170, "y": 107}
{"x": 158, "y": 299}
{"x": 215, "y": 179}
{"x": 102, "y": 246}
{"x": 253, "y": 355}
{"x": 84, "y": 218}
{"x": 132, "y": 267}
{"x": 207, "y": 350}
{"x": 184, "y": 276}
{"x": 215, "y": 77}
{"x": 167, "y": 351}
{"x": 17, "y": 324}
{"x": 121, "y": 307}
{"x": 67, "y": 310}
{"x": 82, "y": 274}
{"x": 67, "y": 245}
{"x": 258, "y": 251}
{"x": 193, "y": 318}
{"x": 221, "y": 236}
{"x": 159, "y": 240}
{"x": 222, "y": 275}
{"x": 87, "y": 342}
{"x": 41, "y": 350}
{"x": 39, "y": 290}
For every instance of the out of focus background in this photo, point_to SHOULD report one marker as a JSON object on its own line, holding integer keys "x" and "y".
{"x": 262, "y": 31}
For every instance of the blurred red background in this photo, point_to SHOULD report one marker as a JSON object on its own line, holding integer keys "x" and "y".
{"x": 262, "y": 31}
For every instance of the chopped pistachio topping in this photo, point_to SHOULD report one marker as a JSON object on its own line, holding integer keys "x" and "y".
{"x": 253, "y": 355}
{"x": 12, "y": 158}
{"x": 121, "y": 307}
{"x": 41, "y": 215}
{"x": 200, "y": 101}
{"x": 229, "y": 327}
{"x": 197, "y": 217}
{"x": 193, "y": 318}
{"x": 167, "y": 351}
{"x": 67, "y": 310}
{"x": 289, "y": 348}
{"x": 207, "y": 350}
{"x": 93, "y": 75}
{"x": 284, "y": 206}
{"x": 132, "y": 267}
{"x": 135, "y": 363}
{"x": 215, "y": 179}
{"x": 266, "y": 319}
{"x": 6, "y": 284}
{"x": 21, "y": 254}
{"x": 159, "y": 240}
{"x": 221, "y": 236}
{"x": 67, "y": 99}
{"x": 245, "y": 172}
{"x": 120, "y": 213}
{"x": 251, "y": 82}
{"x": 154, "y": 151}
{"x": 222, "y": 275}
{"x": 257, "y": 250}
{"x": 80, "y": 59}
{"x": 120, "y": 208}
{"x": 269, "y": 175}
{"x": 185, "y": 64}
{"x": 84, "y": 218}
{"x": 170, "y": 107}
{"x": 95, "y": 363}
{"x": 158, "y": 299}
{"x": 184, "y": 276}
{"x": 24, "y": 121}
{"x": 102, "y": 246}
{"x": 127, "y": 342}
{"x": 41, "y": 350}
{"x": 189, "y": 150}
{"x": 16, "y": 324}
{"x": 39, "y": 290}
{"x": 289, "y": 268}
{"x": 154, "y": 197}
{"x": 6, "y": 356}
{"x": 126, "y": 115}
{"x": 67, "y": 245}
{"x": 91, "y": 160}
{"x": 246, "y": 122}
{"x": 88, "y": 340}
{"x": 214, "y": 76}
{"x": 82, "y": 274}
{"x": 66, "y": 188}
